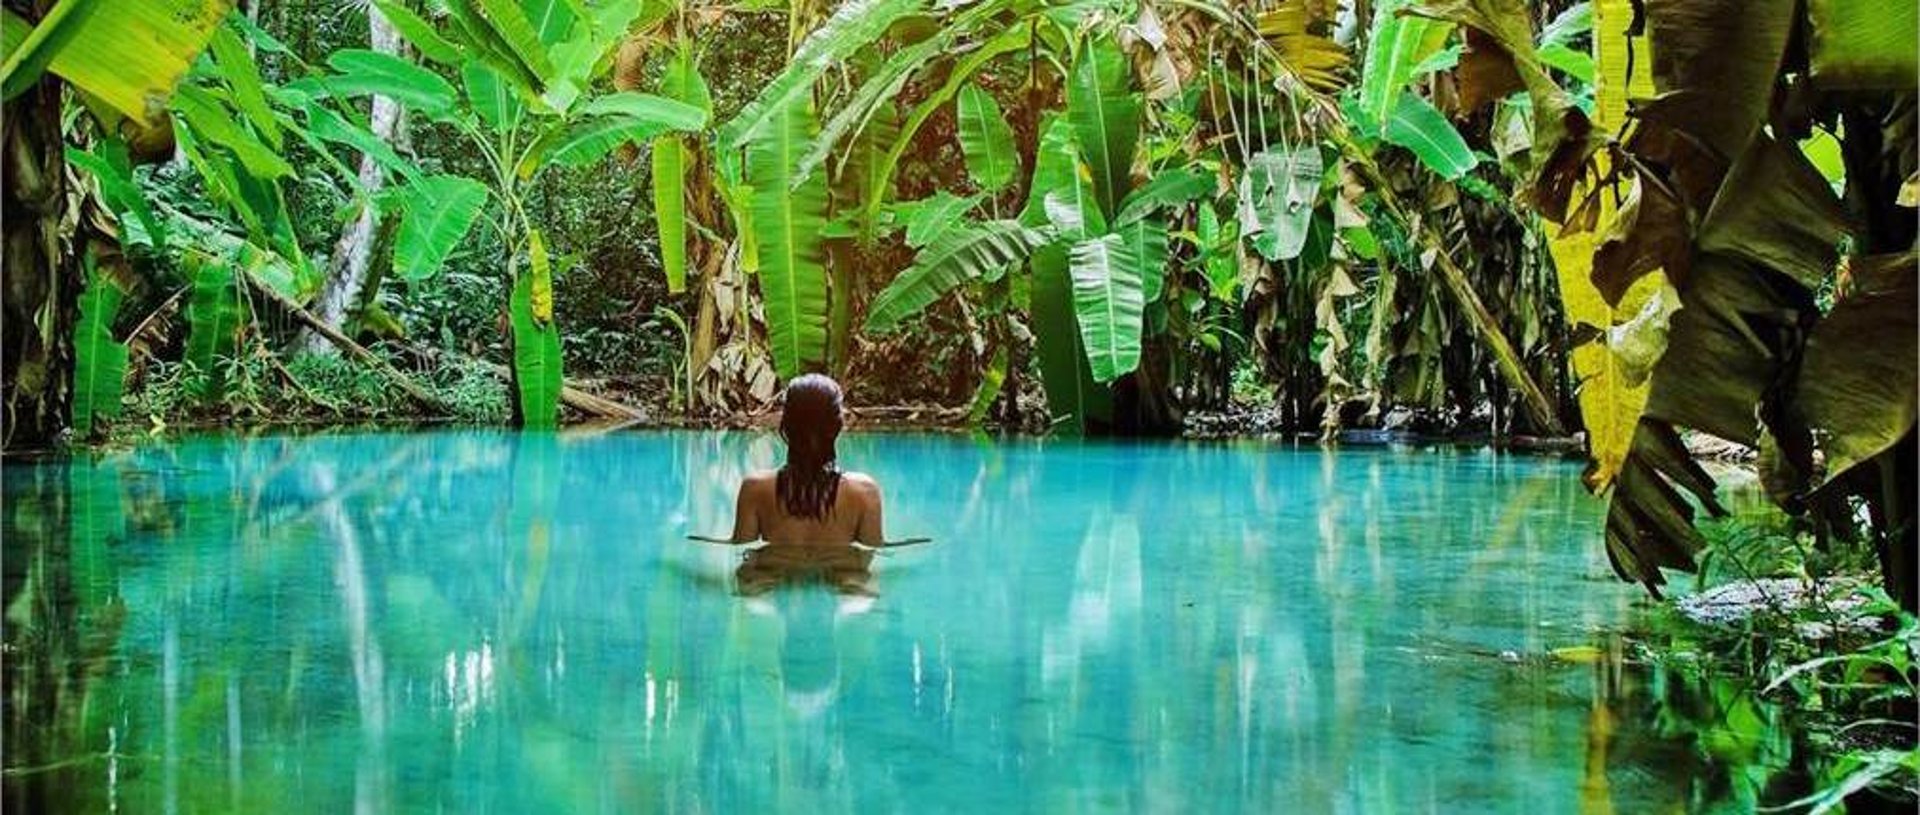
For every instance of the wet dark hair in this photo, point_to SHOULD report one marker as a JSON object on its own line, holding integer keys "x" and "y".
{"x": 810, "y": 422}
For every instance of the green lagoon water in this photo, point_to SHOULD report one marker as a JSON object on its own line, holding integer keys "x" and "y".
{"x": 487, "y": 622}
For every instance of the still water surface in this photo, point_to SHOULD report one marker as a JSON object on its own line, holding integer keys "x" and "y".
{"x": 490, "y": 622}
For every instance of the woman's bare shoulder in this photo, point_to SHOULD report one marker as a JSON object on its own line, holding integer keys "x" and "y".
{"x": 860, "y": 481}
{"x": 760, "y": 480}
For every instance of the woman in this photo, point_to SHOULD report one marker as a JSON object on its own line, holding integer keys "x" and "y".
{"x": 808, "y": 511}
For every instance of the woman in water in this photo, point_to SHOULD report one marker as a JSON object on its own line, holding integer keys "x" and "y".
{"x": 809, "y": 512}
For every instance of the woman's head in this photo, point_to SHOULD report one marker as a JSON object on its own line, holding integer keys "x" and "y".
{"x": 810, "y": 421}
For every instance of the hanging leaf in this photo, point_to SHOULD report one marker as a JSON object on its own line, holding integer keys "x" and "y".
{"x": 215, "y": 317}
{"x": 1106, "y": 115}
{"x": 537, "y": 366}
{"x": 1108, "y": 302}
{"x": 1054, "y": 169}
{"x": 1277, "y": 195}
{"x": 236, "y": 67}
{"x": 962, "y": 253}
{"x": 110, "y": 167}
{"x": 989, "y": 390}
{"x": 99, "y": 363}
{"x": 510, "y": 21}
{"x": 670, "y": 208}
{"x": 491, "y": 97}
{"x": 986, "y": 139}
{"x": 211, "y": 121}
{"x": 1146, "y": 240}
{"x": 1418, "y": 126}
{"x": 424, "y": 37}
{"x": 129, "y": 56}
{"x": 1396, "y": 45}
{"x": 1217, "y": 261}
{"x": 786, "y": 223}
{"x": 364, "y": 73}
{"x": 854, "y": 25}
{"x": 1073, "y": 398}
{"x": 439, "y": 211}
{"x": 1173, "y": 188}
{"x": 612, "y": 121}
{"x": 540, "y": 297}
{"x": 929, "y": 218}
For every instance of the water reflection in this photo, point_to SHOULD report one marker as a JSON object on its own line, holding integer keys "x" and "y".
{"x": 487, "y": 621}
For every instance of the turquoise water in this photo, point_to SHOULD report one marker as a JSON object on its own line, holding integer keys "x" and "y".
{"x": 487, "y": 622}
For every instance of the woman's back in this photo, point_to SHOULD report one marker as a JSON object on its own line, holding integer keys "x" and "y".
{"x": 854, "y": 514}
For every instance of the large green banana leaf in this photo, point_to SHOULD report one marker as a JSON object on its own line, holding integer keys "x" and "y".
{"x": 1108, "y": 300}
{"x": 129, "y": 55}
{"x": 1106, "y": 115}
{"x": 491, "y": 96}
{"x": 786, "y": 222}
{"x": 1147, "y": 241}
{"x": 1420, "y": 127}
{"x": 100, "y": 363}
{"x": 1864, "y": 44}
{"x": 1172, "y": 188}
{"x": 215, "y": 317}
{"x": 537, "y": 364}
{"x": 681, "y": 81}
{"x": 437, "y": 213}
{"x": 960, "y": 254}
{"x": 1277, "y": 194}
{"x": 609, "y": 122}
{"x": 360, "y": 72}
{"x": 929, "y": 218}
{"x": 985, "y": 139}
{"x": 853, "y": 25}
{"x": 1396, "y": 45}
{"x": 669, "y": 168}
{"x": 1073, "y": 398}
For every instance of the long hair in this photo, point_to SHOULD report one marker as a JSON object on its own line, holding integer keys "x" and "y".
{"x": 810, "y": 423}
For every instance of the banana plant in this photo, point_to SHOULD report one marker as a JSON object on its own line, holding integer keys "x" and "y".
{"x": 526, "y": 104}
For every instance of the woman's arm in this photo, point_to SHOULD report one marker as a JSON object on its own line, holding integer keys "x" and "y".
{"x": 746, "y": 520}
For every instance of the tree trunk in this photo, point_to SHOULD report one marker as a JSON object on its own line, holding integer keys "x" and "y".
{"x": 353, "y": 253}
{"x": 41, "y": 283}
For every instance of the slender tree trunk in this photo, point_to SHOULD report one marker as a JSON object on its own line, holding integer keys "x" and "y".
{"x": 41, "y": 281}
{"x": 353, "y": 253}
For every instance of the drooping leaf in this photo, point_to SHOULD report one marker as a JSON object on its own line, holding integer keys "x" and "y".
{"x": 1106, "y": 114}
{"x": 1864, "y": 44}
{"x": 612, "y": 121}
{"x": 862, "y": 112}
{"x": 1776, "y": 210}
{"x": 510, "y": 21}
{"x": 1146, "y": 240}
{"x": 1315, "y": 58}
{"x": 1172, "y": 188}
{"x": 236, "y": 67}
{"x": 360, "y": 72}
{"x": 537, "y": 365}
{"x": 1858, "y": 380}
{"x": 99, "y": 363}
{"x": 880, "y": 175}
{"x": 1420, "y": 127}
{"x": 491, "y": 97}
{"x": 1277, "y": 195}
{"x": 424, "y": 37}
{"x": 1108, "y": 301}
{"x": 1218, "y": 264}
{"x": 670, "y": 208}
{"x": 138, "y": 226}
{"x": 681, "y": 80}
{"x": 989, "y": 391}
{"x": 215, "y": 318}
{"x": 853, "y": 25}
{"x": 787, "y": 224}
{"x": 1073, "y": 398}
{"x": 439, "y": 211}
{"x": 1054, "y": 163}
{"x": 326, "y": 125}
{"x": 212, "y": 122}
{"x": 129, "y": 56}
{"x": 1396, "y": 44}
{"x": 960, "y": 254}
{"x": 986, "y": 139}
{"x": 1716, "y": 66}
{"x": 929, "y": 218}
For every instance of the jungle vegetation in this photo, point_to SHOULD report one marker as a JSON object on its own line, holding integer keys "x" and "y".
{"x": 1635, "y": 220}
